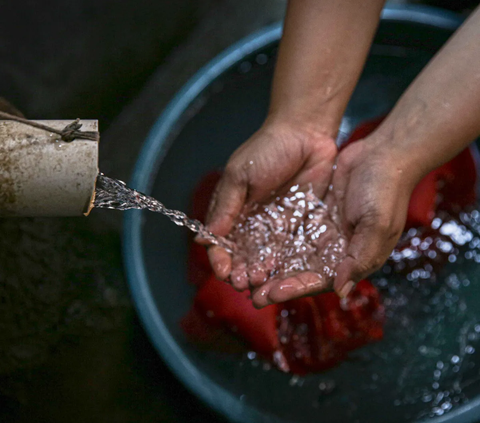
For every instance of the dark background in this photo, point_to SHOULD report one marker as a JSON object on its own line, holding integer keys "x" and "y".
{"x": 71, "y": 348}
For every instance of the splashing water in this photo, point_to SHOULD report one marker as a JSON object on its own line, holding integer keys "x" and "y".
{"x": 427, "y": 364}
{"x": 432, "y": 278}
{"x": 294, "y": 233}
{"x": 114, "y": 194}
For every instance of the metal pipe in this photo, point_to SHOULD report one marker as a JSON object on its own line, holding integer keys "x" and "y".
{"x": 41, "y": 175}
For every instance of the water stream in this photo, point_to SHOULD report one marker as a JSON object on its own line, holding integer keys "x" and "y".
{"x": 116, "y": 195}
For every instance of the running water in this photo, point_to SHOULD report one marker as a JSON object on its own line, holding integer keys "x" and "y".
{"x": 114, "y": 194}
{"x": 296, "y": 232}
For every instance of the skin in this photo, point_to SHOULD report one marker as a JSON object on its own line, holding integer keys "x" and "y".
{"x": 321, "y": 56}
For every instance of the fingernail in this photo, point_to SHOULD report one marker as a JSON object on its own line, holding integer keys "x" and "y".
{"x": 346, "y": 289}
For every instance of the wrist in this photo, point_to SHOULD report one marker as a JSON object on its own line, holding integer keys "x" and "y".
{"x": 406, "y": 142}
{"x": 302, "y": 123}
{"x": 398, "y": 159}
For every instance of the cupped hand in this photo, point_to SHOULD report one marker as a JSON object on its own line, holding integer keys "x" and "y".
{"x": 371, "y": 188}
{"x": 277, "y": 156}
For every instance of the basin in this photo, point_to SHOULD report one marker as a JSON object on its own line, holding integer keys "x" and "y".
{"x": 222, "y": 105}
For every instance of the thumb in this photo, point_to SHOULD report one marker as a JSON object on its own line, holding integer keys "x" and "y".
{"x": 227, "y": 202}
{"x": 367, "y": 250}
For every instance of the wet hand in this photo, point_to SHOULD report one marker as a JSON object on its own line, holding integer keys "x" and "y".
{"x": 373, "y": 185}
{"x": 276, "y": 157}
{"x": 371, "y": 189}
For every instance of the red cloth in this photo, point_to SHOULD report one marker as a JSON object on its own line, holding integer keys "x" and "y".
{"x": 222, "y": 306}
{"x": 315, "y": 333}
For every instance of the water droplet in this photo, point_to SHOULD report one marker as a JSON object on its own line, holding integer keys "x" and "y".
{"x": 261, "y": 59}
{"x": 427, "y": 397}
{"x": 293, "y": 380}
{"x": 245, "y": 67}
{"x": 326, "y": 386}
{"x": 446, "y": 406}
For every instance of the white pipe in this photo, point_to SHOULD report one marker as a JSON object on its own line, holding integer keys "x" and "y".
{"x": 41, "y": 176}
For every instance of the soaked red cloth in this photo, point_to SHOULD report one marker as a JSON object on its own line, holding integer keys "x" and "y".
{"x": 315, "y": 333}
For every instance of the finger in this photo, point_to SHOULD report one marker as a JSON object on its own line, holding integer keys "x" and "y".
{"x": 368, "y": 249}
{"x": 239, "y": 276}
{"x": 202, "y": 241}
{"x": 257, "y": 275}
{"x": 220, "y": 261}
{"x": 279, "y": 291}
{"x": 239, "y": 279}
{"x": 227, "y": 202}
{"x": 335, "y": 198}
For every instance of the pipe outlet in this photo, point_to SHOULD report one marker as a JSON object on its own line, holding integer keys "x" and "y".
{"x": 40, "y": 175}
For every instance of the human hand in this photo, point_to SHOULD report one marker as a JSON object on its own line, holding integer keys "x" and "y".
{"x": 279, "y": 155}
{"x": 371, "y": 188}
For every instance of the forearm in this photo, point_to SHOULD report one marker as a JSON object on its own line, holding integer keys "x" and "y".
{"x": 439, "y": 114}
{"x": 322, "y": 52}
